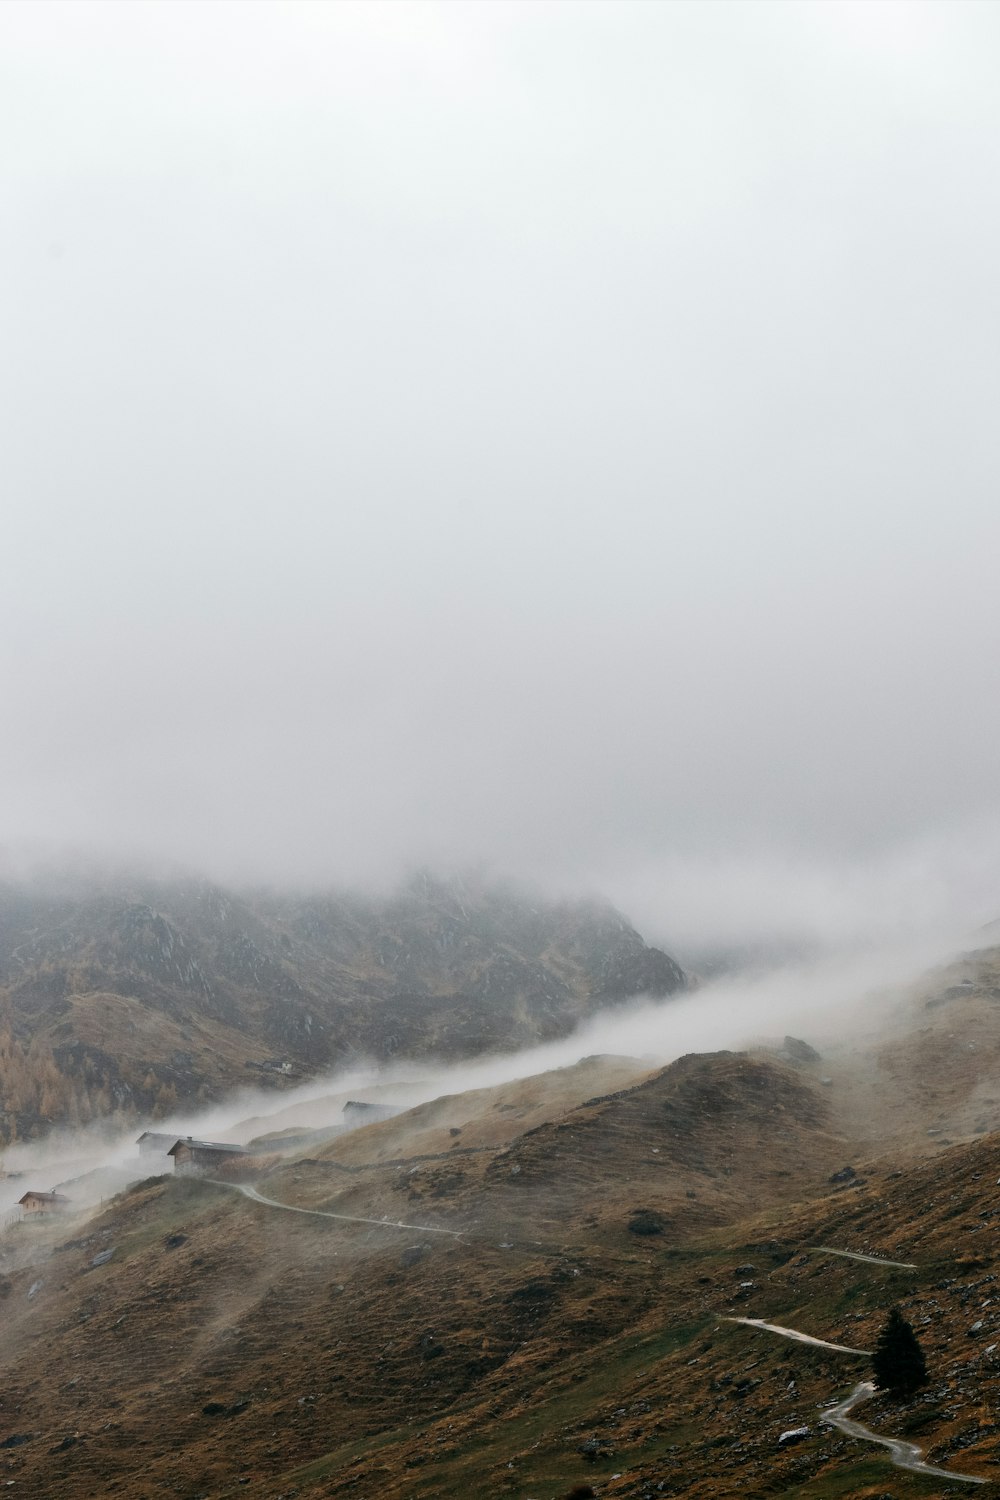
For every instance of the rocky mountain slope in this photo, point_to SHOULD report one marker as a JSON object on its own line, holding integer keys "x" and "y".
{"x": 556, "y": 1316}
{"x": 138, "y": 996}
{"x": 543, "y": 1261}
{"x": 534, "y": 1291}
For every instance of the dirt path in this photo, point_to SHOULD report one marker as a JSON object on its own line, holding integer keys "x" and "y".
{"x": 903, "y": 1454}
{"x": 319, "y": 1213}
{"x": 869, "y": 1260}
{"x": 800, "y": 1338}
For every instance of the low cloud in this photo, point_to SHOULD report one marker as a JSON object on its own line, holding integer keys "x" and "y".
{"x": 561, "y": 436}
{"x": 827, "y": 1001}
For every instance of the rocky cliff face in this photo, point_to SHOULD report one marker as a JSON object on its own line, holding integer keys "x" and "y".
{"x": 141, "y": 994}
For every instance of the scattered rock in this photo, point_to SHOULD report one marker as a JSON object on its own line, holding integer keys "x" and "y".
{"x": 594, "y": 1448}
{"x": 798, "y": 1050}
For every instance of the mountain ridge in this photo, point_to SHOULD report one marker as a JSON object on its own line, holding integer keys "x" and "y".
{"x": 204, "y": 989}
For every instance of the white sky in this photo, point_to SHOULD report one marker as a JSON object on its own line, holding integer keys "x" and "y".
{"x": 559, "y": 435}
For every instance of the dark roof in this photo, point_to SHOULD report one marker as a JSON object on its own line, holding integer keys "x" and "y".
{"x": 186, "y": 1140}
{"x": 44, "y": 1197}
{"x": 154, "y": 1135}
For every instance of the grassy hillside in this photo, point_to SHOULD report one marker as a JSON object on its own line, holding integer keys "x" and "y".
{"x": 228, "y": 1347}
{"x": 527, "y": 1290}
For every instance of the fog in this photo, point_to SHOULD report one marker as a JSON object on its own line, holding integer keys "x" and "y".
{"x": 836, "y": 1002}
{"x": 560, "y": 436}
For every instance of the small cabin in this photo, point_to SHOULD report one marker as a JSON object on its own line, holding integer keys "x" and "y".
{"x": 155, "y": 1140}
{"x": 44, "y": 1203}
{"x": 191, "y": 1156}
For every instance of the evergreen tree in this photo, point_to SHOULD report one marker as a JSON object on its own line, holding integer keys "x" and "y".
{"x": 898, "y": 1360}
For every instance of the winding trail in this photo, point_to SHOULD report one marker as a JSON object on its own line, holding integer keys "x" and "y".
{"x": 800, "y": 1338}
{"x": 869, "y": 1260}
{"x": 319, "y": 1213}
{"x": 903, "y": 1454}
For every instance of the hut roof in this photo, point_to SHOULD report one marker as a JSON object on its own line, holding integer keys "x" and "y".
{"x": 44, "y": 1197}
{"x": 186, "y": 1140}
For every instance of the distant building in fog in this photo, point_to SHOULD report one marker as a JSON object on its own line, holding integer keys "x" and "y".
{"x": 153, "y": 1140}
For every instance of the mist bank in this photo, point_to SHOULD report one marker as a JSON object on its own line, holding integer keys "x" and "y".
{"x": 850, "y": 999}
{"x": 701, "y": 895}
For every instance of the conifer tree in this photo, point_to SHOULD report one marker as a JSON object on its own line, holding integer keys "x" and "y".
{"x": 898, "y": 1360}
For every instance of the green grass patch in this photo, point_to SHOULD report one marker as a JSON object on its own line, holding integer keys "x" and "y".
{"x": 533, "y": 1439}
{"x": 177, "y": 1204}
{"x": 846, "y": 1480}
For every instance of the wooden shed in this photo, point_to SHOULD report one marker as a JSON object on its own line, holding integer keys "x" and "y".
{"x": 44, "y": 1203}
{"x": 192, "y": 1156}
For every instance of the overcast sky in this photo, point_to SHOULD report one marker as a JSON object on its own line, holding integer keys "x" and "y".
{"x": 558, "y": 435}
